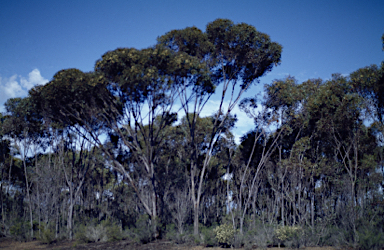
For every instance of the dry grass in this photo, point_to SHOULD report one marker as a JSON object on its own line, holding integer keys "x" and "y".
{"x": 160, "y": 245}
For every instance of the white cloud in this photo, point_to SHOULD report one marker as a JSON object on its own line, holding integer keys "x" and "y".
{"x": 10, "y": 87}
{"x": 18, "y": 86}
{"x": 34, "y": 78}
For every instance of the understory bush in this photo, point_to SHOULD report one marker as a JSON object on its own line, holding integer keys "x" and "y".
{"x": 96, "y": 233}
{"x": 47, "y": 234}
{"x": 102, "y": 232}
{"x": 371, "y": 239}
{"x": 238, "y": 240}
{"x": 173, "y": 234}
{"x": 288, "y": 235}
{"x": 143, "y": 232}
{"x": 224, "y": 234}
{"x": 80, "y": 234}
{"x": 20, "y": 230}
{"x": 207, "y": 236}
{"x": 259, "y": 237}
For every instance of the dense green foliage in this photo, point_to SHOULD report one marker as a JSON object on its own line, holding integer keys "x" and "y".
{"x": 123, "y": 151}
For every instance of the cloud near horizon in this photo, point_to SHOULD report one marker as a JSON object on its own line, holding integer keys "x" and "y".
{"x": 18, "y": 86}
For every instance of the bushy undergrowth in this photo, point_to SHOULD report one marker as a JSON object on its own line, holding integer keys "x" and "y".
{"x": 207, "y": 236}
{"x": 179, "y": 238}
{"x": 255, "y": 235}
{"x": 103, "y": 232}
{"x": 47, "y": 234}
{"x": 144, "y": 230}
{"x": 96, "y": 233}
{"x": 225, "y": 234}
{"x": 261, "y": 237}
{"x": 288, "y": 235}
{"x": 369, "y": 238}
{"x": 20, "y": 230}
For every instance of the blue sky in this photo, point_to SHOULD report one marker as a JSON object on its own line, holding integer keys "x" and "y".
{"x": 39, "y": 38}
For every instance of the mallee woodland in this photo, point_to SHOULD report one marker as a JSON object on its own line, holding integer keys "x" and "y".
{"x": 123, "y": 152}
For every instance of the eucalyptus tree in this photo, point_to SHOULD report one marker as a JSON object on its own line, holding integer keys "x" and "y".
{"x": 132, "y": 93}
{"x": 286, "y": 102}
{"x": 327, "y": 148}
{"x": 253, "y": 155}
{"x": 23, "y": 125}
{"x": 146, "y": 83}
{"x": 5, "y": 159}
{"x": 50, "y": 194}
{"x": 178, "y": 192}
{"x": 130, "y": 98}
{"x": 76, "y": 157}
{"x": 236, "y": 55}
{"x": 70, "y": 104}
{"x": 341, "y": 117}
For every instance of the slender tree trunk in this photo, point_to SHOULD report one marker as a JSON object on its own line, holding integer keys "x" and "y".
{"x": 282, "y": 204}
{"x": 154, "y": 201}
{"x": 254, "y": 211}
{"x": 241, "y": 224}
{"x": 2, "y": 204}
{"x": 38, "y": 192}
{"x": 28, "y": 197}
{"x": 196, "y": 218}
{"x": 10, "y": 174}
{"x": 57, "y": 221}
{"x": 313, "y": 204}
{"x": 69, "y": 222}
{"x": 195, "y": 200}
{"x": 70, "y": 208}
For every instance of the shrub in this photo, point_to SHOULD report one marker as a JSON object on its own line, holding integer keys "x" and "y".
{"x": 171, "y": 232}
{"x": 207, "y": 237}
{"x": 224, "y": 234}
{"x": 288, "y": 235}
{"x": 238, "y": 240}
{"x": 114, "y": 233}
{"x": 105, "y": 231}
{"x": 47, "y": 234}
{"x": 20, "y": 230}
{"x": 96, "y": 233}
{"x": 180, "y": 238}
{"x": 144, "y": 230}
{"x": 260, "y": 237}
{"x": 371, "y": 239}
{"x": 80, "y": 234}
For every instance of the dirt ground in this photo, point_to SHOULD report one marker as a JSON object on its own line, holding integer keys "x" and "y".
{"x": 125, "y": 245}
